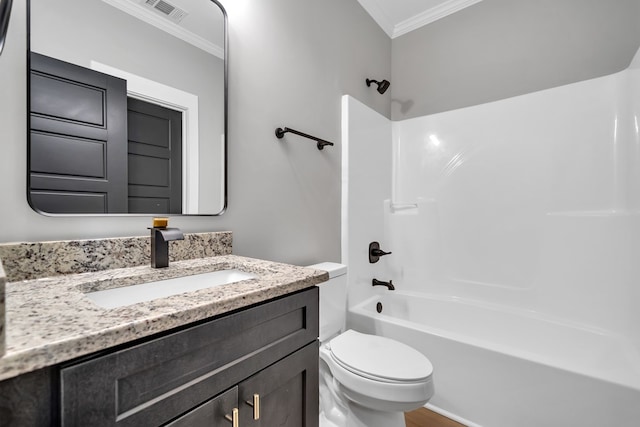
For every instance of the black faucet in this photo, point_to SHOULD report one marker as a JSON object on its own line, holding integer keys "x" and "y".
{"x": 160, "y": 238}
{"x": 389, "y": 284}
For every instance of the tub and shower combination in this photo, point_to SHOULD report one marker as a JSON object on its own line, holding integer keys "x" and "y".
{"x": 515, "y": 232}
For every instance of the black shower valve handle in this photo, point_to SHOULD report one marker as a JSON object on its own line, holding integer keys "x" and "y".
{"x": 375, "y": 252}
{"x": 379, "y": 252}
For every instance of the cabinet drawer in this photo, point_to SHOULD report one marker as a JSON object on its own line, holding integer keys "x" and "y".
{"x": 154, "y": 382}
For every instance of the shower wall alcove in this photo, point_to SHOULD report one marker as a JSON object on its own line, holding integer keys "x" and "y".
{"x": 515, "y": 229}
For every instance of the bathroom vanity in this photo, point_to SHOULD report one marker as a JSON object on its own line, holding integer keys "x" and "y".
{"x": 190, "y": 377}
{"x": 244, "y": 352}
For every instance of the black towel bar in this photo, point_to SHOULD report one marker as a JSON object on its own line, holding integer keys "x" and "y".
{"x": 320, "y": 142}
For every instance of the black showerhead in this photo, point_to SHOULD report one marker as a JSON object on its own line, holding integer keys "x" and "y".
{"x": 382, "y": 86}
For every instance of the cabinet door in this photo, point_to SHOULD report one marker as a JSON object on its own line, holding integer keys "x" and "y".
{"x": 211, "y": 413}
{"x": 287, "y": 391}
{"x": 26, "y": 400}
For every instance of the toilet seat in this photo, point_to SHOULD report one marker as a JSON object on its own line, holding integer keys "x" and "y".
{"x": 380, "y": 358}
{"x": 369, "y": 382}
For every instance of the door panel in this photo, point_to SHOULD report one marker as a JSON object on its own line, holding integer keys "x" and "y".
{"x": 149, "y": 171}
{"x": 61, "y": 202}
{"x": 58, "y": 154}
{"x": 67, "y": 100}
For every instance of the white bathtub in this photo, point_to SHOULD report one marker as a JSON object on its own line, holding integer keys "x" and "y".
{"x": 497, "y": 367}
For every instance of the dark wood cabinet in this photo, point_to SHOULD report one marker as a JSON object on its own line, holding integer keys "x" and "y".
{"x": 284, "y": 394}
{"x": 26, "y": 400}
{"x": 198, "y": 375}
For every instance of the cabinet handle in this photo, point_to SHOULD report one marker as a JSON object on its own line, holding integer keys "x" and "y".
{"x": 233, "y": 418}
{"x": 255, "y": 405}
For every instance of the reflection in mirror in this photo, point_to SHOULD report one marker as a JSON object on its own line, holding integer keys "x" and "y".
{"x": 127, "y": 107}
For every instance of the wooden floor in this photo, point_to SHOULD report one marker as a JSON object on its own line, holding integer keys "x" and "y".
{"x": 425, "y": 418}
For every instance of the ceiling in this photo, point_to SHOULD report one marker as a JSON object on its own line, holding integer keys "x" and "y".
{"x": 398, "y": 17}
{"x": 395, "y": 17}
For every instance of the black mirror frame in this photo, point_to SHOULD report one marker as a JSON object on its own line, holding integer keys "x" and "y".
{"x": 5, "y": 14}
{"x": 5, "y": 11}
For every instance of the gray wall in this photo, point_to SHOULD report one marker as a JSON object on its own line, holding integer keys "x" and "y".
{"x": 497, "y": 49}
{"x": 290, "y": 62}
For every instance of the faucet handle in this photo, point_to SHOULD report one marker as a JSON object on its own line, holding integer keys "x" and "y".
{"x": 375, "y": 252}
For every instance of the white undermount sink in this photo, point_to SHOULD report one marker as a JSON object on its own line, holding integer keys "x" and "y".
{"x": 127, "y": 295}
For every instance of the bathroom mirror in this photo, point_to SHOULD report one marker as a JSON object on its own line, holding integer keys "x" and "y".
{"x": 127, "y": 107}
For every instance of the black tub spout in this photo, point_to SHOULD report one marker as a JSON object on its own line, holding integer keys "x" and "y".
{"x": 389, "y": 284}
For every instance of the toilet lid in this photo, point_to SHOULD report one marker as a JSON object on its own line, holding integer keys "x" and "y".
{"x": 380, "y": 357}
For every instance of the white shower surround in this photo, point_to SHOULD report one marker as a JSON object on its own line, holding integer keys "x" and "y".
{"x": 532, "y": 202}
{"x": 527, "y": 208}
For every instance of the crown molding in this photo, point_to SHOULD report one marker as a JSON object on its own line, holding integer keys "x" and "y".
{"x": 430, "y": 15}
{"x": 163, "y": 24}
{"x": 377, "y": 13}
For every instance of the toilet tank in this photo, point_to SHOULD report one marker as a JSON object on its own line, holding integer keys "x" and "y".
{"x": 333, "y": 299}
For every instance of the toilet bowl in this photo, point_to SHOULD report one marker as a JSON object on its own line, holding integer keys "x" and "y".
{"x": 365, "y": 380}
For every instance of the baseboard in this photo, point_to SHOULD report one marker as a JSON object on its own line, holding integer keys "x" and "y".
{"x": 451, "y": 416}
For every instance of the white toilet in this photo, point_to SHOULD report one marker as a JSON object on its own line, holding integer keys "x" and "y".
{"x": 365, "y": 380}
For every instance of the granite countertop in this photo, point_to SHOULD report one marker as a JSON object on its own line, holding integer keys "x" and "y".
{"x": 50, "y": 320}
